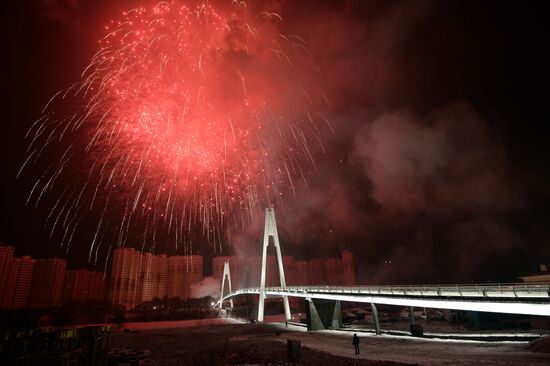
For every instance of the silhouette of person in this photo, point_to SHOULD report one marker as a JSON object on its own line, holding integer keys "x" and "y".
{"x": 356, "y": 343}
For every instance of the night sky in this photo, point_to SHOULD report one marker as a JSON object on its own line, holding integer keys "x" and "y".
{"x": 438, "y": 160}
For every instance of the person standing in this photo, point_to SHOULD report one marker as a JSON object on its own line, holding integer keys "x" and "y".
{"x": 356, "y": 343}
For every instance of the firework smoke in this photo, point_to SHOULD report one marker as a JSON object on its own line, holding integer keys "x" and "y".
{"x": 185, "y": 118}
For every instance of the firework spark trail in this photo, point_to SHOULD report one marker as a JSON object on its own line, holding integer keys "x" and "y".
{"x": 184, "y": 117}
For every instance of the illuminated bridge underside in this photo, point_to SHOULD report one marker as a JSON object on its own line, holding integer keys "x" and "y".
{"x": 512, "y": 299}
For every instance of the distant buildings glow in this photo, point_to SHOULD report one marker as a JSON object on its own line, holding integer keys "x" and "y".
{"x": 138, "y": 277}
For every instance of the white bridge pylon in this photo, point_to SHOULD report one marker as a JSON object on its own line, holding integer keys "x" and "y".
{"x": 270, "y": 230}
{"x": 226, "y": 274}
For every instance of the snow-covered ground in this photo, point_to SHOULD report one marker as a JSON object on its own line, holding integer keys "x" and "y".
{"x": 167, "y": 324}
{"x": 173, "y": 342}
{"x": 407, "y": 349}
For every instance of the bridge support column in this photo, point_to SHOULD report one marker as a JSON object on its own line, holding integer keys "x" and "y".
{"x": 375, "y": 319}
{"x": 323, "y": 314}
{"x": 270, "y": 229}
{"x": 416, "y": 329}
{"x": 411, "y": 316}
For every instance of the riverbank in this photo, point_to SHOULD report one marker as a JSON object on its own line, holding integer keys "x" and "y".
{"x": 234, "y": 343}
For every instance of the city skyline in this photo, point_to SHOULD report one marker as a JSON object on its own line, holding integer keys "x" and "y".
{"x": 430, "y": 164}
{"x": 136, "y": 277}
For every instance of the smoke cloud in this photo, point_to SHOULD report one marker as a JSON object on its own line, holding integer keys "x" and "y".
{"x": 209, "y": 286}
{"x": 415, "y": 173}
{"x": 445, "y": 161}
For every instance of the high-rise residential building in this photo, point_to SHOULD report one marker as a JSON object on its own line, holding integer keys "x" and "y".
{"x": 289, "y": 265}
{"x": 6, "y": 252}
{"x": 194, "y": 273}
{"x": 302, "y": 273}
{"x": 18, "y": 283}
{"x": 348, "y": 262}
{"x": 245, "y": 271}
{"x": 82, "y": 285}
{"x": 47, "y": 283}
{"x": 21, "y": 275}
{"x": 125, "y": 272}
{"x": 160, "y": 276}
{"x": 316, "y": 272}
{"x": 98, "y": 286}
{"x": 272, "y": 266}
{"x": 138, "y": 277}
{"x": 176, "y": 268}
{"x": 333, "y": 272}
{"x": 6, "y": 257}
{"x": 146, "y": 277}
{"x": 183, "y": 272}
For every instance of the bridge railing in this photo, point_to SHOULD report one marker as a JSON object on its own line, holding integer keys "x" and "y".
{"x": 504, "y": 290}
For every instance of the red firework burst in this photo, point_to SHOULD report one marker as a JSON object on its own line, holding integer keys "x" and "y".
{"x": 185, "y": 117}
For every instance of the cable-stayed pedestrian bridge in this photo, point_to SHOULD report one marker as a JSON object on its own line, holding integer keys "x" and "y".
{"x": 323, "y": 302}
{"x": 529, "y": 299}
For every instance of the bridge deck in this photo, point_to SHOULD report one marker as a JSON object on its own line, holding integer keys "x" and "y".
{"x": 531, "y": 299}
